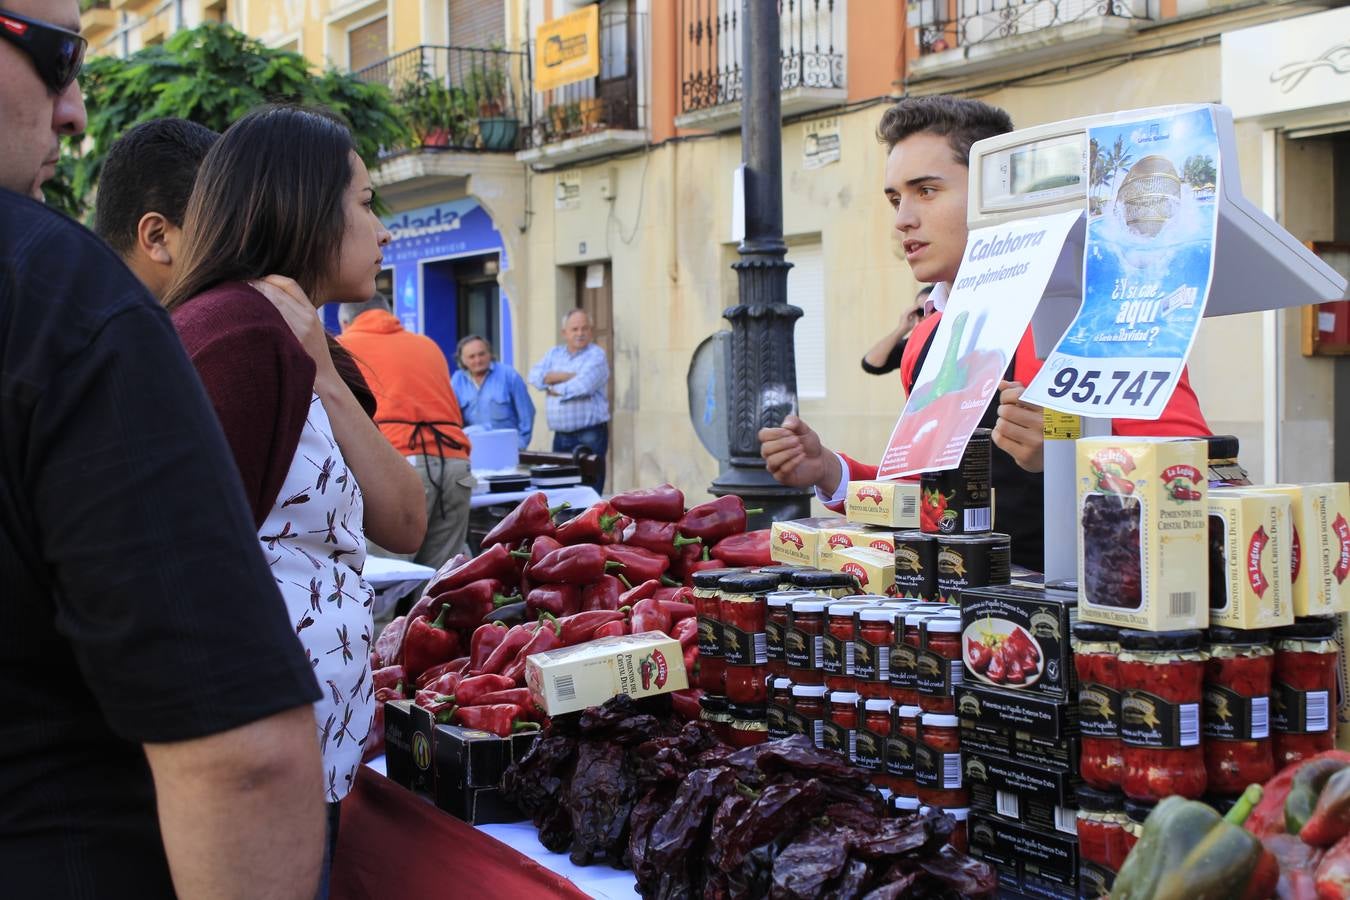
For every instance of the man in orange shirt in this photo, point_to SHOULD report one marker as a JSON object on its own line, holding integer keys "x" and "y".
{"x": 417, "y": 412}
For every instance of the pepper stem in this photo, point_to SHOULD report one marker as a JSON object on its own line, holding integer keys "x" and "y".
{"x": 669, "y": 582}
{"x": 754, "y": 512}
{"x": 518, "y": 727}
{"x": 1244, "y": 805}
{"x": 500, "y": 600}
{"x": 557, "y": 628}
{"x": 554, "y": 510}
{"x": 519, "y": 554}
{"x": 682, "y": 541}
{"x": 625, "y": 582}
{"x": 615, "y": 564}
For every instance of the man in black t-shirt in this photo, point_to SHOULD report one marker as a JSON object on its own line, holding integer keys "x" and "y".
{"x": 157, "y": 734}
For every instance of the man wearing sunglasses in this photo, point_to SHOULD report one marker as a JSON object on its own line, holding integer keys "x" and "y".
{"x": 158, "y": 731}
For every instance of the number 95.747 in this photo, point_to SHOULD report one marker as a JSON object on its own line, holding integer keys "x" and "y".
{"x": 1121, "y": 385}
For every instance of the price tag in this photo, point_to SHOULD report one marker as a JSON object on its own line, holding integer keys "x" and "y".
{"x": 1148, "y": 261}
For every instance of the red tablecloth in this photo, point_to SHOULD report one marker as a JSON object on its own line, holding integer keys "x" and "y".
{"x": 395, "y": 846}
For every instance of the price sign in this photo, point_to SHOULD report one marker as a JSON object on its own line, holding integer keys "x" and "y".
{"x": 1148, "y": 261}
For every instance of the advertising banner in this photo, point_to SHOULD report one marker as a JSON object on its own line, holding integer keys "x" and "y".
{"x": 567, "y": 49}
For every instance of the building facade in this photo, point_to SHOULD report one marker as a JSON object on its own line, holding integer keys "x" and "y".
{"x": 615, "y": 193}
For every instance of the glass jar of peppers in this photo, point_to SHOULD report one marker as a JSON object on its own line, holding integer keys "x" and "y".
{"x": 905, "y": 658}
{"x": 1162, "y": 681}
{"x": 835, "y": 585}
{"x": 804, "y": 644}
{"x": 1101, "y": 827}
{"x": 937, "y": 762}
{"x": 872, "y": 651}
{"x": 749, "y": 725}
{"x": 808, "y": 711}
{"x": 1136, "y": 813}
{"x": 743, "y": 612}
{"x": 717, "y": 713}
{"x": 707, "y": 606}
{"x": 1303, "y": 689}
{"x": 904, "y": 806}
{"x": 837, "y": 659}
{"x": 1237, "y": 709}
{"x": 841, "y": 728}
{"x": 783, "y": 573}
{"x": 901, "y": 746}
{"x": 779, "y": 707}
{"x": 873, "y": 733}
{"x": 775, "y": 627}
{"x": 1095, "y": 648}
{"x": 940, "y": 668}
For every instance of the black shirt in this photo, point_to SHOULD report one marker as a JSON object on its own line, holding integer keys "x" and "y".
{"x": 893, "y": 359}
{"x": 135, "y": 604}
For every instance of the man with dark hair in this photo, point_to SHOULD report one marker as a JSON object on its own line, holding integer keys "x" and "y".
{"x": 158, "y": 730}
{"x": 928, "y": 141}
{"x": 143, "y": 192}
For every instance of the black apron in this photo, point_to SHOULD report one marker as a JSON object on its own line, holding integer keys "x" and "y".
{"x": 419, "y": 442}
{"x": 1019, "y": 495}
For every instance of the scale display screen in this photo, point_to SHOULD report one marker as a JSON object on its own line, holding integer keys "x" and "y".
{"x": 1041, "y": 172}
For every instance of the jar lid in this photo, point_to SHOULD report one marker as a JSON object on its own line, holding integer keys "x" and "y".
{"x": 909, "y": 711}
{"x": 877, "y": 598}
{"x": 1222, "y": 446}
{"x": 876, "y": 614}
{"x": 960, "y": 814}
{"x": 1180, "y": 641}
{"x": 1096, "y": 632}
{"x": 1138, "y": 810}
{"x": 906, "y": 804}
{"x": 913, "y": 619}
{"x": 747, "y": 583}
{"x": 878, "y": 704}
{"x": 809, "y": 690}
{"x": 914, "y": 536}
{"x": 783, "y": 598}
{"x": 779, "y": 570}
{"x": 939, "y": 720}
{"x": 1094, "y": 800}
{"x": 988, "y": 537}
{"x": 1306, "y": 627}
{"x": 1063, "y": 584}
{"x": 943, "y": 625}
{"x": 933, "y": 606}
{"x": 815, "y": 579}
{"x": 850, "y": 697}
{"x": 713, "y": 703}
{"x": 1240, "y": 636}
{"x": 812, "y": 603}
{"x": 780, "y": 683}
{"x": 708, "y": 578}
{"x": 846, "y": 607}
{"x": 747, "y": 711}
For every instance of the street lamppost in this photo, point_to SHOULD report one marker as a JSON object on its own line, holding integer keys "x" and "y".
{"x": 763, "y": 382}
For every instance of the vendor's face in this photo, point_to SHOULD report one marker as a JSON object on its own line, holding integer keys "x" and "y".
{"x": 476, "y": 357}
{"x": 926, "y": 188}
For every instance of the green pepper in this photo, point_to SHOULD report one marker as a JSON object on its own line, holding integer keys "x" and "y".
{"x": 1188, "y": 852}
{"x": 1303, "y": 793}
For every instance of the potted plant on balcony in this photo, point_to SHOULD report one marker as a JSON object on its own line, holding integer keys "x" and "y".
{"x": 438, "y": 115}
{"x": 488, "y": 87}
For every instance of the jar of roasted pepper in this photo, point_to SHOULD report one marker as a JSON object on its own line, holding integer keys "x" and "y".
{"x": 1095, "y": 648}
{"x": 1304, "y": 689}
{"x": 960, "y": 839}
{"x": 743, "y": 613}
{"x": 901, "y": 746}
{"x": 905, "y": 658}
{"x": 775, "y": 627}
{"x": 779, "y": 708}
{"x": 1136, "y": 813}
{"x": 872, "y": 733}
{"x": 782, "y": 573}
{"x": 749, "y": 725}
{"x": 904, "y": 806}
{"x": 841, "y": 728}
{"x": 872, "y": 651}
{"x": 837, "y": 652}
{"x": 937, "y": 762}
{"x": 808, "y": 711}
{"x": 707, "y": 606}
{"x": 836, "y": 585}
{"x": 1101, "y": 827}
{"x": 804, "y": 645}
{"x": 940, "y": 669}
{"x": 1237, "y": 709}
{"x": 716, "y": 712}
{"x": 1162, "y": 681}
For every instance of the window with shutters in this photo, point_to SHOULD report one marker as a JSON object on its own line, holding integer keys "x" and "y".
{"x": 806, "y": 290}
{"x": 368, "y": 44}
{"x": 477, "y": 23}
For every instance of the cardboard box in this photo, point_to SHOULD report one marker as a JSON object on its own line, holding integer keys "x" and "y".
{"x": 1320, "y": 555}
{"x": 1047, "y": 862}
{"x": 469, "y": 765}
{"x": 574, "y": 678}
{"x": 1029, "y": 794}
{"x": 796, "y": 541}
{"x": 993, "y": 617}
{"x": 1143, "y": 532}
{"x": 1250, "y": 536}
{"x": 874, "y": 569}
{"x": 398, "y": 741}
{"x": 1094, "y": 881}
{"x": 890, "y": 504}
{"x": 423, "y": 751}
{"x": 1021, "y": 726}
{"x": 849, "y": 534}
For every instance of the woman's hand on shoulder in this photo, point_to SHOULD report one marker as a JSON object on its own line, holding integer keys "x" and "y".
{"x": 300, "y": 315}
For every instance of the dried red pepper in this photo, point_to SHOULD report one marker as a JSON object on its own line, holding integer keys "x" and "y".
{"x": 664, "y": 503}
{"x": 659, "y": 537}
{"x": 532, "y": 518}
{"x": 428, "y": 643}
{"x": 599, "y": 524}
{"x": 579, "y": 564}
{"x": 748, "y": 549}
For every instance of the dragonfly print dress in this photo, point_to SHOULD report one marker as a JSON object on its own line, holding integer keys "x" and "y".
{"x": 315, "y": 544}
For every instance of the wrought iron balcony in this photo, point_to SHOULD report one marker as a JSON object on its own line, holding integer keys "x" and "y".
{"x": 813, "y": 57}
{"x": 457, "y": 98}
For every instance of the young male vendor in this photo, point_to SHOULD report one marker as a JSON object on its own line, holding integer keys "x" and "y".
{"x": 928, "y": 141}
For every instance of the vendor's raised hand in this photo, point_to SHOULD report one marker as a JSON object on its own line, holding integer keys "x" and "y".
{"x": 301, "y": 317}
{"x": 795, "y": 457}
{"x": 1020, "y": 430}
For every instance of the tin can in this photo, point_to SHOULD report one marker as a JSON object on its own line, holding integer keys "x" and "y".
{"x": 960, "y": 500}
{"x": 915, "y": 565}
{"x": 972, "y": 560}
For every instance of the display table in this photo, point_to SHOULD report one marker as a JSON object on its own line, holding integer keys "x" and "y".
{"x": 392, "y": 579}
{"x": 579, "y": 495}
{"x": 393, "y": 844}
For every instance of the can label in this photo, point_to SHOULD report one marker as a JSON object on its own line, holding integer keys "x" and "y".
{"x": 871, "y": 751}
{"x": 744, "y": 648}
{"x": 900, "y": 755}
{"x": 1098, "y": 710}
{"x": 959, "y": 501}
{"x": 915, "y": 566}
{"x": 709, "y": 636}
{"x": 1147, "y": 720}
{"x": 972, "y": 562}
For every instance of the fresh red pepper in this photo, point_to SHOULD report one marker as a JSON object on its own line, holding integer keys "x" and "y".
{"x": 681, "y": 565}
{"x": 470, "y": 603}
{"x": 748, "y": 549}
{"x": 581, "y": 627}
{"x": 665, "y": 503}
{"x": 715, "y": 519}
{"x": 643, "y": 591}
{"x": 685, "y": 703}
{"x": 445, "y": 668}
{"x": 678, "y": 610}
{"x": 440, "y": 706}
{"x": 390, "y": 641}
{"x": 505, "y": 651}
{"x": 686, "y": 632}
{"x": 472, "y": 690}
{"x": 428, "y": 643}
{"x": 485, "y": 639}
{"x": 554, "y": 599}
{"x": 611, "y": 629}
{"x": 387, "y": 677}
{"x": 648, "y": 616}
{"x": 531, "y": 519}
{"x": 579, "y": 564}
{"x": 446, "y": 684}
{"x": 374, "y": 745}
{"x": 539, "y": 548}
{"x": 638, "y": 564}
{"x": 515, "y": 696}
{"x": 713, "y": 563}
{"x": 659, "y": 537}
{"x": 603, "y": 594}
{"x": 599, "y": 524}
{"x": 500, "y": 719}
{"x": 494, "y": 562}
{"x": 674, "y": 593}
{"x": 545, "y": 638}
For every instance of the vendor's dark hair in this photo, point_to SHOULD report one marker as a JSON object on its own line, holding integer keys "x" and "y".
{"x": 962, "y": 122}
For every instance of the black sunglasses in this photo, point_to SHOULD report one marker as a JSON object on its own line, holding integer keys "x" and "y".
{"x": 57, "y": 54}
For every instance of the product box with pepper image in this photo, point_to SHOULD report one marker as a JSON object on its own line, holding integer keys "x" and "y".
{"x": 1143, "y": 533}
{"x": 1027, "y": 793}
{"x": 1046, "y": 861}
{"x": 890, "y": 504}
{"x": 398, "y": 742}
{"x": 469, "y": 765}
{"x": 1022, "y": 726}
{"x": 874, "y": 569}
{"x": 849, "y": 535}
{"x": 574, "y": 678}
{"x": 797, "y": 541}
{"x": 1018, "y": 638}
{"x": 1250, "y": 534}
{"x": 1320, "y": 548}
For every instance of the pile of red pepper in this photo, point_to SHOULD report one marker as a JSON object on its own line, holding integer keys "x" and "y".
{"x": 1303, "y": 820}
{"x": 624, "y": 565}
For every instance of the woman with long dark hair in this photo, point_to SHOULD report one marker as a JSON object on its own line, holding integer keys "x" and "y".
{"x": 280, "y": 223}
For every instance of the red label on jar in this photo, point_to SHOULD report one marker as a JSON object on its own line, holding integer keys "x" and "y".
{"x": 1341, "y": 528}
{"x": 1255, "y": 547}
{"x": 856, "y": 571}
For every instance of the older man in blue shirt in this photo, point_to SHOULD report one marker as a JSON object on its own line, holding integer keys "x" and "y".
{"x": 575, "y": 375}
{"x": 489, "y": 394}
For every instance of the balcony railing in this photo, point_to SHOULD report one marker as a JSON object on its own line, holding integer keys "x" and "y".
{"x": 710, "y": 58}
{"x": 458, "y": 98}
{"x": 612, "y": 101}
{"x": 945, "y": 24}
